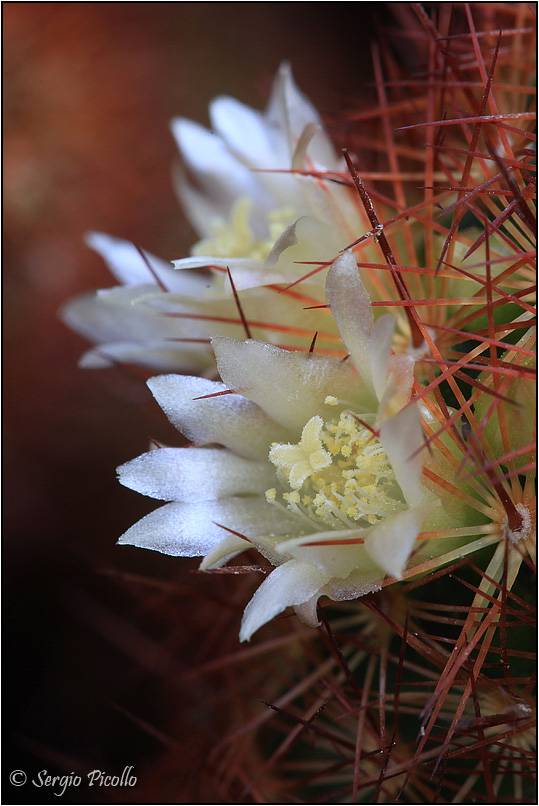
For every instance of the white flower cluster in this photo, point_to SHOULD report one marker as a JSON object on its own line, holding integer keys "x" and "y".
{"x": 312, "y": 459}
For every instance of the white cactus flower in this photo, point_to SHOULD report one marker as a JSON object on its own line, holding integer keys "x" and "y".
{"x": 313, "y": 461}
{"x": 246, "y": 191}
{"x": 245, "y": 194}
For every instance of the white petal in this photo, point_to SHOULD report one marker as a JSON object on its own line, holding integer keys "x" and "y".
{"x": 128, "y": 330}
{"x": 401, "y": 436}
{"x": 109, "y": 315}
{"x": 290, "y": 386}
{"x": 351, "y": 306}
{"x": 336, "y": 560}
{"x": 252, "y": 517}
{"x": 230, "y": 547}
{"x": 399, "y": 383}
{"x": 127, "y": 265}
{"x": 306, "y": 612}
{"x": 95, "y": 359}
{"x": 268, "y": 546}
{"x": 246, "y": 277}
{"x": 380, "y": 352}
{"x": 207, "y": 155}
{"x": 292, "y": 111}
{"x": 391, "y": 541}
{"x": 336, "y": 206}
{"x": 192, "y": 530}
{"x": 305, "y": 239}
{"x": 220, "y": 174}
{"x": 200, "y": 209}
{"x": 247, "y": 134}
{"x": 175, "y": 529}
{"x": 155, "y": 356}
{"x": 229, "y": 420}
{"x": 286, "y": 239}
{"x": 246, "y": 272}
{"x": 299, "y": 157}
{"x": 361, "y": 581}
{"x": 293, "y": 583}
{"x": 203, "y": 261}
{"x": 259, "y": 144}
{"x": 194, "y": 474}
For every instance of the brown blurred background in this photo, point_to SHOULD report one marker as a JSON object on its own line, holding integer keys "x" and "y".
{"x": 89, "y": 89}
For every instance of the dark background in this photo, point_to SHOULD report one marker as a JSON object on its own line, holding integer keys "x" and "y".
{"x": 89, "y": 89}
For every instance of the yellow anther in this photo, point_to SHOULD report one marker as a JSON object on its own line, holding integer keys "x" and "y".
{"x": 358, "y": 485}
{"x": 235, "y": 238}
{"x": 304, "y": 459}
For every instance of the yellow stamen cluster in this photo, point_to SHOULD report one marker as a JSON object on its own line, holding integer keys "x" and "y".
{"x": 235, "y": 239}
{"x": 338, "y": 472}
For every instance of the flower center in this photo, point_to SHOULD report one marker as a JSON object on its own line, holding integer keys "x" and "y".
{"x": 234, "y": 238}
{"x": 338, "y": 473}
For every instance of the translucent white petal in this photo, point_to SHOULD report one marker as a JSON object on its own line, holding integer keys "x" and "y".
{"x": 155, "y": 356}
{"x": 175, "y": 529}
{"x": 130, "y": 331}
{"x": 246, "y": 272}
{"x": 85, "y": 315}
{"x": 194, "y": 529}
{"x": 293, "y": 583}
{"x": 260, "y": 143}
{"x": 305, "y": 239}
{"x": 332, "y": 204}
{"x": 217, "y": 315}
{"x": 202, "y": 261}
{"x": 222, "y": 178}
{"x": 246, "y": 277}
{"x": 248, "y": 135}
{"x": 351, "y": 306}
{"x": 209, "y": 158}
{"x": 361, "y": 581}
{"x": 230, "y": 547}
{"x": 269, "y": 546}
{"x": 229, "y": 420}
{"x": 402, "y": 437}
{"x": 286, "y": 239}
{"x": 113, "y": 313}
{"x": 290, "y": 386}
{"x": 128, "y": 266}
{"x": 195, "y": 474}
{"x": 292, "y": 111}
{"x": 200, "y": 209}
{"x": 336, "y": 560}
{"x": 390, "y": 542}
{"x": 299, "y": 157}
{"x": 306, "y": 612}
{"x": 380, "y": 351}
{"x": 94, "y": 359}
{"x": 399, "y": 382}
